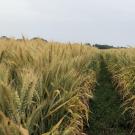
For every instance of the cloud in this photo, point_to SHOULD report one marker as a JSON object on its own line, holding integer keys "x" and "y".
{"x": 102, "y": 21}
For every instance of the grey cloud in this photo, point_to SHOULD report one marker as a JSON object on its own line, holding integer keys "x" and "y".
{"x": 96, "y": 21}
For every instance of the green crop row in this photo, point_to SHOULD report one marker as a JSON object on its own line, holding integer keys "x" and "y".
{"x": 121, "y": 64}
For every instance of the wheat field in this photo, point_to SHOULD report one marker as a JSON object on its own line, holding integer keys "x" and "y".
{"x": 45, "y": 87}
{"x": 51, "y": 88}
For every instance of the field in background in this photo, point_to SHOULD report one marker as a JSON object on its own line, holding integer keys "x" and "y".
{"x": 49, "y": 88}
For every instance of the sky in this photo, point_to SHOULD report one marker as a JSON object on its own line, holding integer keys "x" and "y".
{"x": 87, "y": 21}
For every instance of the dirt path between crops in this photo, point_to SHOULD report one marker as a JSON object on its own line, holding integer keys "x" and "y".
{"x": 106, "y": 117}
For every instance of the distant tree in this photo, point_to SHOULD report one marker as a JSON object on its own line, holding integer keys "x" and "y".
{"x": 103, "y": 46}
{"x": 38, "y": 38}
{"x": 88, "y": 44}
{"x": 4, "y": 38}
{"x": 19, "y": 39}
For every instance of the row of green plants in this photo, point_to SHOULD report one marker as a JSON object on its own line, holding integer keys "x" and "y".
{"x": 45, "y": 87}
{"x": 121, "y": 65}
